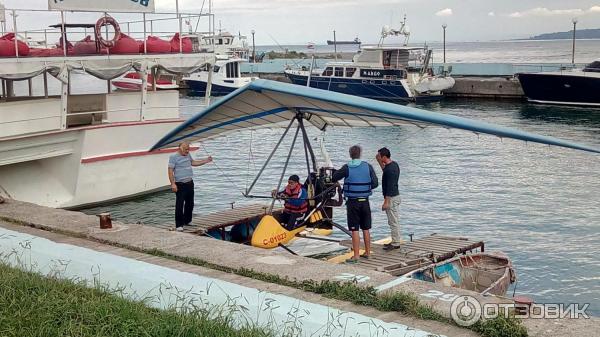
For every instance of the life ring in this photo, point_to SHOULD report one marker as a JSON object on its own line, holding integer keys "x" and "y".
{"x": 103, "y": 21}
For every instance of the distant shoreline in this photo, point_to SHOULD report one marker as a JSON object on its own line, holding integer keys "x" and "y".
{"x": 418, "y": 43}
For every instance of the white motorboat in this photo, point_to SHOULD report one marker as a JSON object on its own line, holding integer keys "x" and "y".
{"x": 226, "y": 77}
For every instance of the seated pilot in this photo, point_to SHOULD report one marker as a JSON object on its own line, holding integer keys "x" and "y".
{"x": 296, "y": 203}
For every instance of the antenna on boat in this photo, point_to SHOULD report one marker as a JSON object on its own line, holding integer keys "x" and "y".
{"x": 387, "y": 31}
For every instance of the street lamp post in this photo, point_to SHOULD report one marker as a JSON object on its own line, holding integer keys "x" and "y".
{"x": 253, "y": 47}
{"x": 573, "y": 52}
{"x": 444, "y": 27}
{"x": 334, "y": 46}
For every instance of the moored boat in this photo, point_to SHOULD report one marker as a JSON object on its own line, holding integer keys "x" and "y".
{"x": 226, "y": 77}
{"x": 383, "y": 72}
{"x": 61, "y": 148}
{"x": 566, "y": 87}
{"x": 379, "y": 72}
{"x": 485, "y": 273}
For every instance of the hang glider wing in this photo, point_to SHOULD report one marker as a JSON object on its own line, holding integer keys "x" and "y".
{"x": 266, "y": 103}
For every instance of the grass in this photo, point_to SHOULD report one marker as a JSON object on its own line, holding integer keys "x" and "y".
{"x": 33, "y": 305}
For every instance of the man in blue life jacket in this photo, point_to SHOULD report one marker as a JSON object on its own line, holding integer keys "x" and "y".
{"x": 296, "y": 203}
{"x": 359, "y": 181}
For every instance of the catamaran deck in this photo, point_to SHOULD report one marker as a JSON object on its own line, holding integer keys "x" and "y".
{"x": 417, "y": 253}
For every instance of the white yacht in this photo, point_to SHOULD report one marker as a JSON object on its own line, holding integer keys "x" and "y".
{"x": 68, "y": 150}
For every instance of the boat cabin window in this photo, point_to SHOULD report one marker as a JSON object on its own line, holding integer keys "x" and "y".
{"x": 387, "y": 59}
{"x": 232, "y": 70}
{"x": 328, "y": 71}
{"x": 395, "y": 59}
{"x": 216, "y": 69}
{"x": 220, "y": 41}
{"x": 350, "y": 72}
{"x": 339, "y": 72}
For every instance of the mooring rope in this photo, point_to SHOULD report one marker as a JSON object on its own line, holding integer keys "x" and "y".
{"x": 222, "y": 171}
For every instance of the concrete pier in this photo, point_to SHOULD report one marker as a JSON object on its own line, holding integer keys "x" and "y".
{"x": 486, "y": 87}
{"x": 138, "y": 241}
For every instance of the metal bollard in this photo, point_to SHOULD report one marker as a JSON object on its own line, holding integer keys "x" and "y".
{"x": 105, "y": 221}
{"x": 522, "y": 304}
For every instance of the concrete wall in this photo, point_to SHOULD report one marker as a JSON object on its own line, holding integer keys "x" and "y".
{"x": 494, "y": 87}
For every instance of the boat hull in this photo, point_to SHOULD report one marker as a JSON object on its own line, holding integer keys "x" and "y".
{"x": 198, "y": 88}
{"x": 557, "y": 88}
{"x": 485, "y": 273}
{"x": 86, "y": 167}
{"x": 374, "y": 89}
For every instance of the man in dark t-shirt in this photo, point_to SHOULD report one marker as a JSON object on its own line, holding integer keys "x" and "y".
{"x": 391, "y": 194}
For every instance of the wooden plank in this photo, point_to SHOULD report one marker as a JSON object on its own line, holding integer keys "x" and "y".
{"x": 451, "y": 243}
{"x": 230, "y": 217}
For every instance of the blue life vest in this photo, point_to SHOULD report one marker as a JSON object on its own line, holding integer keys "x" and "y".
{"x": 358, "y": 183}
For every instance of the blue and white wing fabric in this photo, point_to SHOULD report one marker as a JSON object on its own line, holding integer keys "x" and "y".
{"x": 265, "y": 103}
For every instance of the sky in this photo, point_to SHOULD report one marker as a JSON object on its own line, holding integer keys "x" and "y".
{"x": 302, "y": 21}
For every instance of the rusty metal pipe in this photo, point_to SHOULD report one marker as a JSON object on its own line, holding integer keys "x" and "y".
{"x": 105, "y": 221}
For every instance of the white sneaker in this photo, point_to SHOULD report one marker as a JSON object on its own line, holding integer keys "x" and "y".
{"x": 179, "y": 229}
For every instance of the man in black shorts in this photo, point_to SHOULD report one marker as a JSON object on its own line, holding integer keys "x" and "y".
{"x": 359, "y": 181}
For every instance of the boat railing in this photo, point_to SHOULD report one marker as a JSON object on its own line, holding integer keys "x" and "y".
{"x": 20, "y": 119}
{"x": 74, "y": 26}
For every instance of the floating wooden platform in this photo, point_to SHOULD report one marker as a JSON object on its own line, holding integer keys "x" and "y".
{"x": 417, "y": 253}
{"x": 220, "y": 220}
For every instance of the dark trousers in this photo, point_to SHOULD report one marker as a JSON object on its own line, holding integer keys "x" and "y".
{"x": 184, "y": 203}
{"x": 288, "y": 219}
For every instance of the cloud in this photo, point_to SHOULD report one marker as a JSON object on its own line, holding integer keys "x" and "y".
{"x": 491, "y": 14}
{"x": 444, "y": 12}
{"x": 543, "y": 11}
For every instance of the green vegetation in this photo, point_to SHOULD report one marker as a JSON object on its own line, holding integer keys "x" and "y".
{"x": 32, "y": 305}
{"x": 500, "y": 327}
{"x": 287, "y": 55}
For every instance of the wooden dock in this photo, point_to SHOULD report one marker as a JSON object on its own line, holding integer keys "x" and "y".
{"x": 220, "y": 220}
{"x": 417, "y": 253}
